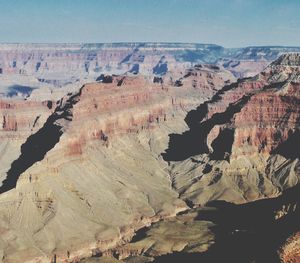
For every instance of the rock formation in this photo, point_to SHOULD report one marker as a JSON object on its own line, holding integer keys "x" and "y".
{"x": 242, "y": 144}
{"x": 20, "y": 119}
{"x": 26, "y": 68}
{"x": 259, "y": 231}
{"x": 87, "y": 175}
{"x": 93, "y": 160}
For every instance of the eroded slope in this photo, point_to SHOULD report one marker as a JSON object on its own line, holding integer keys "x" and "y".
{"x": 102, "y": 174}
{"x": 242, "y": 144}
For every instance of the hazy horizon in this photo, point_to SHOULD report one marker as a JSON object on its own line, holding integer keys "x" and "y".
{"x": 143, "y": 42}
{"x": 232, "y": 23}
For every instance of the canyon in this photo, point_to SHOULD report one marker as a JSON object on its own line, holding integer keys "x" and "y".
{"x": 149, "y": 153}
{"x": 45, "y": 69}
{"x": 97, "y": 150}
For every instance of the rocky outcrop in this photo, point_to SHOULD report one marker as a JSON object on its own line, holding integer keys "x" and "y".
{"x": 28, "y": 67}
{"x": 19, "y": 119}
{"x": 253, "y": 232}
{"x": 99, "y": 150}
{"x": 290, "y": 251}
{"x": 92, "y": 164}
{"x": 243, "y": 130}
{"x": 260, "y": 231}
{"x": 39, "y": 143}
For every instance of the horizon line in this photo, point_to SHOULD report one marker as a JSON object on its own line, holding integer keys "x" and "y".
{"x": 145, "y": 42}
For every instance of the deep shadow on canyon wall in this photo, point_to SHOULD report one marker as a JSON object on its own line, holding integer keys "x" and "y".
{"x": 247, "y": 233}
{"x": 194, "y": 141}
{"x": 38, "y": 144}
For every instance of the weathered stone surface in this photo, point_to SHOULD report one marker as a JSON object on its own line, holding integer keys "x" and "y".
{"x": 247, "y": 133}
{"x": 27, "y": 68}
{"x": 91, "y": 163}
{"x": 94, "y": 165}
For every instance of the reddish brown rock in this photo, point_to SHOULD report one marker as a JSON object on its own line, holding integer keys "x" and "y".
{"x": 244, "y": 140}
{"x": 98, "y": 151}
{"x": 290, "y": 252}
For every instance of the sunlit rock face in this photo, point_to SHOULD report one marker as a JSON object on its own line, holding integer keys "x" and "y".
{"x": 92, "y": 159}
{"x": 290, "y": 251}
{"x": 126, "y": 150}
{"x": 243, "y": 143}
{"x": 27, "y": 68}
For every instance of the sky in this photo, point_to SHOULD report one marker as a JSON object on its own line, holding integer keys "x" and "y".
{"x": 230, "y": 23}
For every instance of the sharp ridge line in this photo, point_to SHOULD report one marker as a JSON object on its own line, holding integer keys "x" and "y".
{"x": 40, "y": 143}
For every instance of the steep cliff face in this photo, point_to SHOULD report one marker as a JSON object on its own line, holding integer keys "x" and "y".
{"x": 95, "y": 162}
{"x": 243, "y": 134}
{"x": 19, "y": 119}
{"x": 28, "y": 67}
{"x": 94, "y": 159}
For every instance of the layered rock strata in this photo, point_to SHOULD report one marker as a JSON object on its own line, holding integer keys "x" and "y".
{"x": 242, "y": 144}
{"x": 95, "y": 162}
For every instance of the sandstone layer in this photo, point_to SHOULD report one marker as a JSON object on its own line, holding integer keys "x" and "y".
{"x": 92, "y": 165}
{"x": 242, "y": 144}
{"x": 84, "y": 174}
{"x": 27, "y": 68}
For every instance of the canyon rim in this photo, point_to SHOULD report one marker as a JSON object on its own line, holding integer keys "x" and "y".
{"x": 125, "y": 137}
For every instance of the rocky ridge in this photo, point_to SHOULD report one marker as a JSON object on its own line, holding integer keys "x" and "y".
{"x": 27, "y": 68}
{"x": 238, "y": 138}
{"x": 104, "y": 154}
